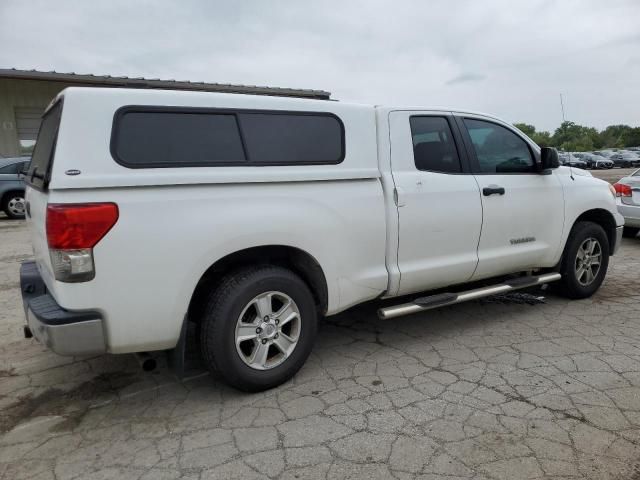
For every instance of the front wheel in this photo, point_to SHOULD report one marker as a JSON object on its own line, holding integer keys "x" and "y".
{"x": 259, "y": 327}
{"x": 585, "y": 261}
{"x": 13, "y": 204}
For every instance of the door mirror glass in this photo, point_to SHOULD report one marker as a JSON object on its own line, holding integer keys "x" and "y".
{"x": 549, "y": 158}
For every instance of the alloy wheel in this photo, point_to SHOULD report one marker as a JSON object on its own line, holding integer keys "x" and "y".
{"x": 588, "y": 261}
{"x": 268, "y": 330}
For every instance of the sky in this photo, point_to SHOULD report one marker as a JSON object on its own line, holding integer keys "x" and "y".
{"x": 510, "y": 58}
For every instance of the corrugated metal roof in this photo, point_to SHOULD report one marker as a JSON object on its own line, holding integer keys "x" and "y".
{"x": 139, "y": 82}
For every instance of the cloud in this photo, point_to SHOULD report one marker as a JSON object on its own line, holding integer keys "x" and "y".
{"x": 368, "y": 51}
{"x": 466, "y": 77}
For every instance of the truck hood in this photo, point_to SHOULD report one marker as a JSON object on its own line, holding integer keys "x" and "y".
{"x": 562, "y": 170}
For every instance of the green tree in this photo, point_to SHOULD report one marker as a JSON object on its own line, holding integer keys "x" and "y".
{"x": 572, "y": 137}
{"x": 615, "y": 136}
{"x": 527, "y": 129}
{"x": 541, "y": 138}
{"x": 633, "y": 138}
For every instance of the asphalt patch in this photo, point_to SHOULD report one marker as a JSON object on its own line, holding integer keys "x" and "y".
{"x": 72, "y": 404}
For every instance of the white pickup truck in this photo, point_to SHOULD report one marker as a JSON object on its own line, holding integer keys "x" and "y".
{"x": 254, "y": 216}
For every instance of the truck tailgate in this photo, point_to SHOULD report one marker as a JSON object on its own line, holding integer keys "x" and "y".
{"x": 37, "y": 189}
{"x": 36, "y": 221}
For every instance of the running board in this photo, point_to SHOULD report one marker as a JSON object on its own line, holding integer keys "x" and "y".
{"x": 442, "y": 299}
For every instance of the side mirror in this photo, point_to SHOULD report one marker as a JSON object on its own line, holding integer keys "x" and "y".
{"x": 549, "y": 158}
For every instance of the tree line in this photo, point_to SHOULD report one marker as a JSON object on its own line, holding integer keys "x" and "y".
{"x": 571, "y": 137}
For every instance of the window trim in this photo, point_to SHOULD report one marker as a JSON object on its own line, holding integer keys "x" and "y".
{"x": 120, "y": 112}
{"x": 458, "y": 141}
{"x": 471, "y": 152}
{"x": 46, "y": 179}
{"x": 7, "y": 166}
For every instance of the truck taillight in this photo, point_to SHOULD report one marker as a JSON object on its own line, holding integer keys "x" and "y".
{"x": 622, "y": 190}
{"x": 73, "y": 229}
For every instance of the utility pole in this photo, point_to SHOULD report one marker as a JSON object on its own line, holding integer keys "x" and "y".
{"x": 562, "y": 108}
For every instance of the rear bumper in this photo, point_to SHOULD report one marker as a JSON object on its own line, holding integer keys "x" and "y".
{"x": 63, "y": 331}
{"x": 616, "y": 246}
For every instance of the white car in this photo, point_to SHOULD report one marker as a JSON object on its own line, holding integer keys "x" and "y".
{"x": 254, "y": 216}
{"x": 628, "y": 200}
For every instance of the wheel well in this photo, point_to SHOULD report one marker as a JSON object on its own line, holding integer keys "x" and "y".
{"x": 292, "y": 258}
{"x": 6, "y": 194}
{"x": 604, "y": 219}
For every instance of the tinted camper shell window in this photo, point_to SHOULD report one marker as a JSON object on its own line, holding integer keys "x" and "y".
{"x": 156, "y": 137}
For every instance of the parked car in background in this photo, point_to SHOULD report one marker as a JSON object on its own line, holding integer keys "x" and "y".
{"x": 12, "y": 186}
{"x": 630, "y": 152}
{"x": 572, "y": 161}
{"x": 625, "y": 159}
{"x": 580, "y": 156}
{"x": 628, "y": 201}
{"x": 596, "y": 161}
{"x": 604, "y": 153}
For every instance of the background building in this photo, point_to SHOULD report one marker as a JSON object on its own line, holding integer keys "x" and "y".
{"x": 24, "y": 94}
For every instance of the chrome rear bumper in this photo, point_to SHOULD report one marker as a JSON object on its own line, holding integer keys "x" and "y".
{"x": 64, "y": 332}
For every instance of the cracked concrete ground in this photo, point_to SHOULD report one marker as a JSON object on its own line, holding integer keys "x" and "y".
{"x": 486, "y": 390}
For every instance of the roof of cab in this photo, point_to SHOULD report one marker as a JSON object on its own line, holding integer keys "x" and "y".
{"x": 436, "y": 109}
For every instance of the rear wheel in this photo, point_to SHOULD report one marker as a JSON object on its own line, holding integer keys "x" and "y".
{"x": 585, "y": 261}
{"x": 13, "y": 204}
{"x": 259, "y": 327}
{"x": 630, "y": 232}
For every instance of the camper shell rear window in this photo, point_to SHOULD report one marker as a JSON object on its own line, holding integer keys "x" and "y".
{"x": 44, "y": 150}
{"x": 157, "y": 137}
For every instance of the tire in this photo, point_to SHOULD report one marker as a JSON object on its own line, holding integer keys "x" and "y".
{"x": 576, "y": 282}
{"x": 630, "y": 232}
{"x": 13, "y": 204}
{"x": 232, "y": 312}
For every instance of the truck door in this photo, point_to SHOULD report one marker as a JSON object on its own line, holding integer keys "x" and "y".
{"x": 523, "y": 210}
{"x": 439, "y": 205}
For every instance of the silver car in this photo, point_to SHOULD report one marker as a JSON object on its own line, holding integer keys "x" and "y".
{"x": 628, "y": 201}
{"x": 12, "y": 186}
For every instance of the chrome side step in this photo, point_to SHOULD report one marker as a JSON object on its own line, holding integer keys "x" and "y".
{"x": 442, "y": 299}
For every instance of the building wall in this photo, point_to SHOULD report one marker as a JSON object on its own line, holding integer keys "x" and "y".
{"x": 21, "y": 93}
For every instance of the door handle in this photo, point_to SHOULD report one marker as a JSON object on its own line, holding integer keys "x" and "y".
{"x": 492, "y": 190}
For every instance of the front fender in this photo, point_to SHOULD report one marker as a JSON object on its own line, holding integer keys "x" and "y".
{"x": 585, "y": 194}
